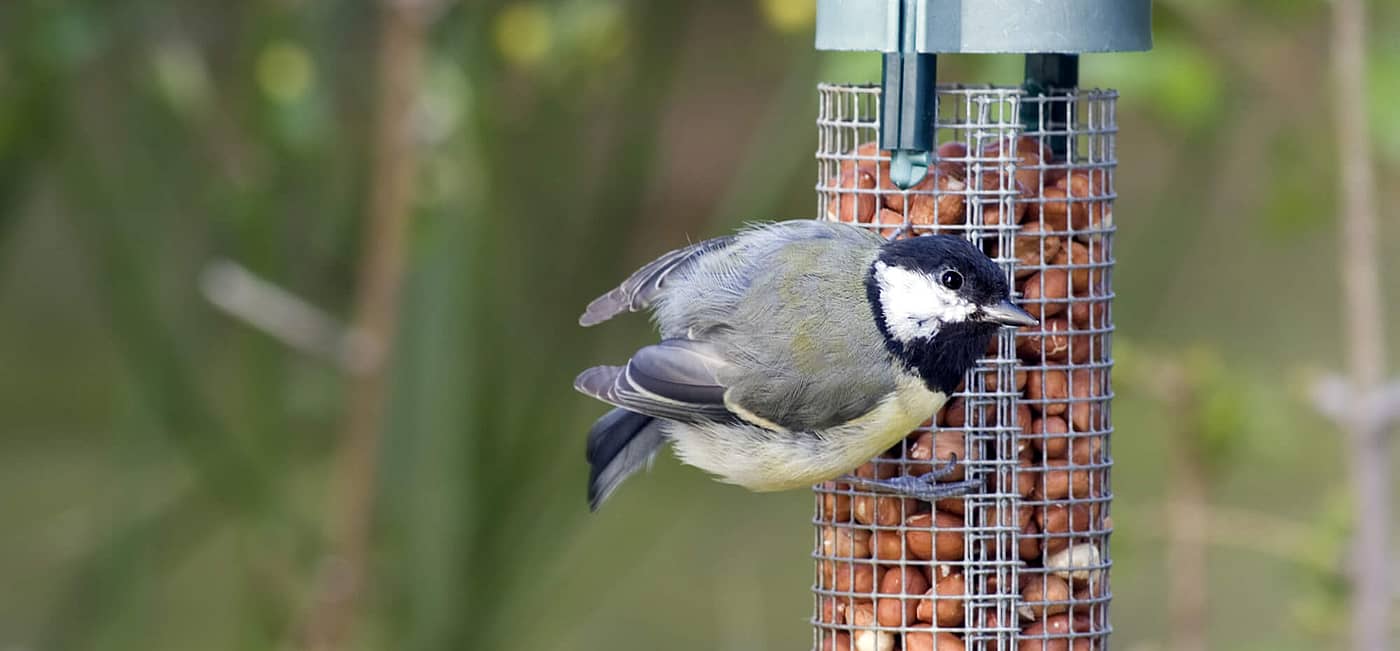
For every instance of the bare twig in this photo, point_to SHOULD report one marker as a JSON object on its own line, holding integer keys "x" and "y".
{"x": 402, "y": 34}
{"x": 1369, "y": 447}
{"x": 282, "y": 315}
{"x": 1187, "y": 529}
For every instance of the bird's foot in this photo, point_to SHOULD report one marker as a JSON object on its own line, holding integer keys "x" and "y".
{"x": 923, "y": 487}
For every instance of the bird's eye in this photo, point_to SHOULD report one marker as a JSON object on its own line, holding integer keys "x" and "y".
{"x": 951, "y": 279}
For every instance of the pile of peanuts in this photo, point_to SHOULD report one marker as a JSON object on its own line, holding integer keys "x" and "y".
{"x": 893, "y": 572}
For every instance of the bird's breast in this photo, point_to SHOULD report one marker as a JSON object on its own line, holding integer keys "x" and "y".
{"x": 911, "y": 403}
{"x": 766, "y": 460}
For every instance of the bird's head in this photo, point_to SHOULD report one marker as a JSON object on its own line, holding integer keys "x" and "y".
{"x": 938, "y": 301}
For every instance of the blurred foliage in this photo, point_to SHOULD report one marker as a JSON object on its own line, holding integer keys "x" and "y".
{"x": 164, "y": 468}
{"x": 1177, "y": 83}
{"x": 1319, "y": 609}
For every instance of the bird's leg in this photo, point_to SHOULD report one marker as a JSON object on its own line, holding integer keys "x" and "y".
{"x": 923, "y": 487}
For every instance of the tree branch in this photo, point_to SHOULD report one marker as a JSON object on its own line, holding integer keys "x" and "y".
{"x": 1369, "y": 448}
{"x": 403, "y": 32}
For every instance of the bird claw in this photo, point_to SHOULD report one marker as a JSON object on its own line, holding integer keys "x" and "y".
{"x": 923, "y": 487}
{"x": 942, "y": 471}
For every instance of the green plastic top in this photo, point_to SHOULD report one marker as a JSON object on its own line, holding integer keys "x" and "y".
{"x": 987, "y": 26}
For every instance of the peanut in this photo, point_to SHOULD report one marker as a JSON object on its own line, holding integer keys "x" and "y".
{"x": 836, "y": 506}
{"x": 889, "y": 545}
{"x": 880, "y": 164}
{"x": 908, "y": 582}
{"x": 998, "y": 516}
{"x": 947, "y": 606}
{"x": 848, "y": 577}
{"x": 952, "y": 159}
{"x": 1029, "y": 543}
{"x": 836, "y": 641}
{"x": 994, "y": 206}
{"x": 1079, "y": 562}
{"x": 1032, "y": 156}
{"x": 992, "y": 214}
{"x": 951, "y": 444}
{"x": 1034, "y": 248}
{"x": 1053, "y": 342}
{"x": 1047, "y": 434}
{"x": 1045, "y": 293}
{"x": 945, "y": 543}
{"x": 1081, "y": 278}
{"x": 1059, "y": 521}
{"x": 845, "y": 542}
{"x": 935, "y": 449}
{"x": 1088, "y": 314}
{"x": 920, "y": 451}
{"x": 863, "y": 615}
{"x": 946, "y": 208}
{"x": 1061, "y": 481}
{"x": 1052, "y": 210}
{"x": 1085, "y": 387}
{"x": 855, "y": 200}
{"x": 954, "y": 505}
{"x": 990, "y": 381}
{"x": 1029, "y": 156}
{"x": 1087, "y": 184}
{"x": 1023, "y": 415}
{"x": 1047, "y": 390}
{"x": 930, "y": 641}
{"x": 1027, "y": 473}
{"x": 890, "y": 223}
{"x": 1048, "y": 634}
{"x": 880, "y": 510}
{"x": 1066, "y": 518}
{"x": 874, "y": 641}
{"x": 833, "y": 609}
{"x": 1045, "y": 595}
{"x": 878, "y": 468}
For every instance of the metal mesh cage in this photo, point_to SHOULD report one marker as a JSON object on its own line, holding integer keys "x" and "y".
{"x": 1023, "y": 562}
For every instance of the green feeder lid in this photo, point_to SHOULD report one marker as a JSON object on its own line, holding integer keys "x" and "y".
{"x": 986, "y": 26}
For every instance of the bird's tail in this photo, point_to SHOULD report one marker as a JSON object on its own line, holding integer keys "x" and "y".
{"x": 619, "y": 444}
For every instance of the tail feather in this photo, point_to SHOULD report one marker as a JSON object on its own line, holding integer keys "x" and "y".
{"x": 619, "y": 444}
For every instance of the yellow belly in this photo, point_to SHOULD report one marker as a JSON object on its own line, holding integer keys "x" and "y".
{"x": 769, "y": 461}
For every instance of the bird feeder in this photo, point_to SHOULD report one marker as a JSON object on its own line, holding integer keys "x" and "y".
{"x": 1027, "y": 173}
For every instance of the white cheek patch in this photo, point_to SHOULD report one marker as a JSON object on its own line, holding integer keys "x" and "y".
{"x": 915, "y": 305}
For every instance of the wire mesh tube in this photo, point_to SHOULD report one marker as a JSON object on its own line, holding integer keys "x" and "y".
{"x": 1023, "y": 563}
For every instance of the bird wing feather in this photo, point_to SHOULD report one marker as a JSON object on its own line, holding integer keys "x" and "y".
{"x": 676, "y": 379}
{"x": 785, "y": 337}
{"x": 641, "y": 288}
{"x": 808, "y": 356}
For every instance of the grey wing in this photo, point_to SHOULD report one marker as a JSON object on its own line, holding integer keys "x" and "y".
{"x": 640, "y": 290}
{"x": 676, "y": 379}
{"x": 809, "y": 355}
{"x": 705, "y": 299}
{"x": 841, "y": 389}
{"x": 765, "y": 303}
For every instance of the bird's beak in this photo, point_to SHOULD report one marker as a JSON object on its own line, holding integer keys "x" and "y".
{"x": 1006, "y": 313}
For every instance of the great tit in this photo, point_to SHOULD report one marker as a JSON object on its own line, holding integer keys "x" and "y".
{"x": 793, "y": 352}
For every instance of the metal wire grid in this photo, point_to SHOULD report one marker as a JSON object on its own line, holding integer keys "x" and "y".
{"x": 1069, "y": 360}
{"x": 1024, "y": 562}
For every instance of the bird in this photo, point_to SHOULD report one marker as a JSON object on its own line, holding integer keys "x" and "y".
{"x": 792, "y": 352}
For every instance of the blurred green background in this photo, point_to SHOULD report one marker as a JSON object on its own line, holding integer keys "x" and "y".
{"x": 168, "y": 472}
